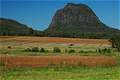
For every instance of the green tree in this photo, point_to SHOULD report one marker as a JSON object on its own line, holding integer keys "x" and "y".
{"x": 116, "y": 41}
{"x": 42, "y": 50}
{"x": 56, "y": 49}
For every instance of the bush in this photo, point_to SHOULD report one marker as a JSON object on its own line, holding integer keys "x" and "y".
{"x": 66, "y": 50}
{"x": 116, "y": 41}
{"x": 89, "y": 51}
{"x": 72, "y": 51}
{"x": 108, "y": 50}
{"x": 2, "y": 63}
{"x": 28, "y": 49}
{"x": 35, "y": 49}
{"x": 104, "y": 51}
{"x": 42, "y": 50}
{"x": 81, "y": 51}
{"x": 9, "y": 47}
{"x": 56, "y": 49}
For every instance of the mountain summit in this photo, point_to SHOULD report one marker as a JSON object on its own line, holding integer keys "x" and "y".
{"x": 78, "y": 20}
{"x": 75, "y": 13}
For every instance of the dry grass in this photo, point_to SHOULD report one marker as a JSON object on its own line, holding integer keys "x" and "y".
{"x": 44, "y": 61}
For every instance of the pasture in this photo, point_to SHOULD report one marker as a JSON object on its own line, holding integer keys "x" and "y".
{"x": 12, "y": 45}
{"x": 78, "y": 59}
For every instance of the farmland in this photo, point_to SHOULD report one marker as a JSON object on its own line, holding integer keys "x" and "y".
{"x": 78, "y": 59}
{"x": 18, "y": 44}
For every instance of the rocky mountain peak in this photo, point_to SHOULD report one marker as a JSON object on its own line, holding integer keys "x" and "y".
{"x": 74, "y": 13}
{"x": 76, "y": 20}
{"x": 72, "y": 5}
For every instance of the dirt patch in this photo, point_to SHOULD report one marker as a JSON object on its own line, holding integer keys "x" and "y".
{"x": 44, "y": 61}
{"x": 54, "y": 40}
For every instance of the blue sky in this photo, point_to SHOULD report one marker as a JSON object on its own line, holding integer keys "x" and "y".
{"x": 38, "y": 13}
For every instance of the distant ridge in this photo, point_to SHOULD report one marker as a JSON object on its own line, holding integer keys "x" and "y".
{"x": 14, "y": 28}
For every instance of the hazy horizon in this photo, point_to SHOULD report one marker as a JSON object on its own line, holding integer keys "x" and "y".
{"x": 38, "y": 13}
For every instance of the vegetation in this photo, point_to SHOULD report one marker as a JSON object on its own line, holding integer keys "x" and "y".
{"x": 15, "y": 28}
{"x": 62, "y": 73}
{"x": 74, "y": 28}
{"x": 71, "y": 51}
{"x": 35, "y": 49}
{"x": 9, "y": 47}
{"x": 28, "y": 49}
{"x": 116, "y": 42}
{"x": 78, "y": 31}
{"x": 10, "y": 27}
{"x": 88, "y": 51}
{"x": 42, "y": 50}
{"x": 105, "y": 50}
{"x": 56, "y": 50}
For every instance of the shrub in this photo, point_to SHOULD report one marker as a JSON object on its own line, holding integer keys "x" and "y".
{"x": 72, "y": 51}
{"x": 89, "y": 51}
{"x": 2, "y": 64}
{"x": 9, "y": 47}
{"x": 104, "y": 51}
{"x": 108, "y": 51}
{"x": 47, "y": 51}
{"x": 35, "y": 49}
{"x": 42, "y": 50}
{"x": 81, "y": 51}
{"x": 115, "y": 41}
{"x": 28, "y": 49}
{"x": 56, "y": 49}
{"x": 100, "y": 51}
{"x": 66, "y": 50}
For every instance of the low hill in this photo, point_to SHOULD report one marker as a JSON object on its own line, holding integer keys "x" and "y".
{"x": 12, "y": 27}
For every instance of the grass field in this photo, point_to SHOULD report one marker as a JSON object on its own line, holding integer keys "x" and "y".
{"x": 18, "y": 44}
{"x": 15, "y": 46}
{"x": 66, "y": 73}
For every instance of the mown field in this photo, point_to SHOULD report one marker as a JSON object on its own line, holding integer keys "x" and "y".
{"x": 12, "y": 46}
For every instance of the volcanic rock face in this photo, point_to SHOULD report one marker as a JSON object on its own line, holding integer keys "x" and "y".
{"x": 77, "y": 20}
{"x": 74, "y": 13}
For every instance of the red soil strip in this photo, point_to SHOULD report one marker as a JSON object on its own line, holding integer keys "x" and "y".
{"x": 44, "y": 61}
{"x": 55, "y": 40}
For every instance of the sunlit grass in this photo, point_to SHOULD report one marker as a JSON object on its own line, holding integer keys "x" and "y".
{"x": 66, "y": 73}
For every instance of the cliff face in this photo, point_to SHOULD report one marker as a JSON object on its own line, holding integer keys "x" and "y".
{"x": 76, "y": 20}
{"x": 74, "y": 13}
